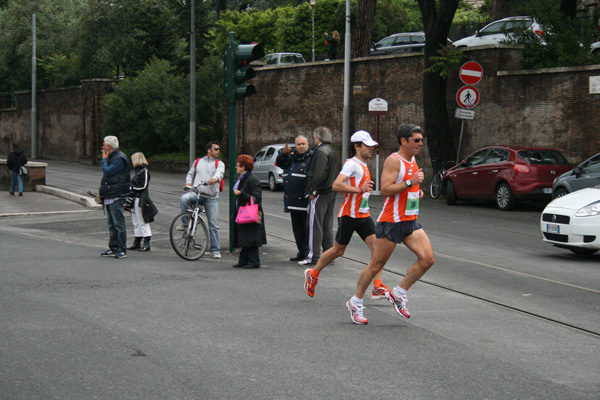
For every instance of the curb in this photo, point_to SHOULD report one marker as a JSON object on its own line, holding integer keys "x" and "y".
{"x": 85, "y": 200}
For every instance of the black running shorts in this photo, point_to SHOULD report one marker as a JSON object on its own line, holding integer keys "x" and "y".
{"x": 365, "y": 227}
{"x": 396, "y": 231}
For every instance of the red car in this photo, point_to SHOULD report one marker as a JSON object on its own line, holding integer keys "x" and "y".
{"x": 506, "y": 174}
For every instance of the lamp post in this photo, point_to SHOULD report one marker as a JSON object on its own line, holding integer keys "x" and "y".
{"x": 313, "y": 3}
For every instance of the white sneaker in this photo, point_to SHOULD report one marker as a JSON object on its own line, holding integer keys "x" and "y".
{"x": 181, "y": 227}
{"x": 305, "y": 262}
{"x": 216, "y": 254}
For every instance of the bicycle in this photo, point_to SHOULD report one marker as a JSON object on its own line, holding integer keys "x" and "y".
{"x": 191, "y": 242}
{"x": 436, "y": 183}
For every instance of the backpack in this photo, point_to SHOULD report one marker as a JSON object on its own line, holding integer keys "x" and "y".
{"x": 221, "y": 182}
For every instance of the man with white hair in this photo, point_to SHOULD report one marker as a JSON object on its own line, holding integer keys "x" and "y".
{"x": 322, "y": 171}
{"x": 114, "y": 189}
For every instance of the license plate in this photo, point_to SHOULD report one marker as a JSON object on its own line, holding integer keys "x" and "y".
{"x": 547, "y": 190}
{"x": 551, "y": 228}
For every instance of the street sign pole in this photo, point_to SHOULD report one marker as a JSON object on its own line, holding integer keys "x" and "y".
{"x": 470, "y": 73}
{"x": 231, "y": 129}
{"x": 377, "y": 107}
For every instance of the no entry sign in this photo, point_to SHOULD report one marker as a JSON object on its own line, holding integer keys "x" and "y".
{"x": 467, "y": 97}
{"x": 470, "y": 73}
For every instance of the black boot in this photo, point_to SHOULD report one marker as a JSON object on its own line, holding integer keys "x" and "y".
{"x": 136, "y": 244}
{"x": 146, "y": 245}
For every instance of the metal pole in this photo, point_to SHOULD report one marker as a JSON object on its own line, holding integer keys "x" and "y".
{"x": 34, "y": 135}
{"x": 231, "y": 128}
{"x": 346, "y": 112}
{"x": 462, "y": 126}
{"x": 313, "y": 33}
{"x": 377, "y": 190}
{"x": 193, "y": 84}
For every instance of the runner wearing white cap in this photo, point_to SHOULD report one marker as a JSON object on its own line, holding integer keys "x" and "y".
{"x": 355, "y": 182}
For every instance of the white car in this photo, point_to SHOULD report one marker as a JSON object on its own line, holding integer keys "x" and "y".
{"x": 573, "y": 221}
{"x": 595, "y": 48}
{"x": 499, "y": 31}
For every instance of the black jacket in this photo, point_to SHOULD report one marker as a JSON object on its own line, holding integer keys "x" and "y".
{"x": 323, "y": 169}
{"x": 139, "y": 188}
{"x": 115, "y": 181}
{"x": 295, "y": 168}
{"x": 249, "y": 235}
{"x": 16, "y": 159}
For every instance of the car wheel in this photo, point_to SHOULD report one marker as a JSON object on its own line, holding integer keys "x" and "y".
{"x": 504, "y": 198}
{"x": 450, "y": 193}
{"x": 583, "y": 251}
{"x": 272, "y": 183}
{"x": 560, "y": 192}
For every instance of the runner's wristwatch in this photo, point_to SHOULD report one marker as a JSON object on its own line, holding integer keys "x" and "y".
{"x": 408, "y": 182}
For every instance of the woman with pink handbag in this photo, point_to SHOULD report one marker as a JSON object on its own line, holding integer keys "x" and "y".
{"x": 249, "y": 228}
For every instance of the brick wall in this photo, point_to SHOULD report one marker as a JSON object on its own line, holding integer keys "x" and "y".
{"x": 549, "y": 107}
{"x": 69, "y": 122}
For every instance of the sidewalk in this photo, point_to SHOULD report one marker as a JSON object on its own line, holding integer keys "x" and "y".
{"x": 46, "y": 200}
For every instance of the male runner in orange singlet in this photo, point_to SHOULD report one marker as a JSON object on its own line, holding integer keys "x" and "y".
{"x": 397, "y": 223}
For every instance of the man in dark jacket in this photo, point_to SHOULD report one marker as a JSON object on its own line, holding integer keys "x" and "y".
{"x": 295, "y": 166}
{"x": 323, "y": 169}
{"x": 16, "y": 159}
{"x": 114, "y": 188}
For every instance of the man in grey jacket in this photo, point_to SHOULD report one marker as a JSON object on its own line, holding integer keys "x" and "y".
{"x": 322, "y": 171}
{"x": 205, "y": 174}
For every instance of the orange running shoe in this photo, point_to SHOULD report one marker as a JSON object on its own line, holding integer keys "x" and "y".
{"x": 379, "y": 293}
{"x": 309, "y": 283}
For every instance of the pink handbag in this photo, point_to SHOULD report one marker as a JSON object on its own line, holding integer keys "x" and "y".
{"x": 248, "y": 214}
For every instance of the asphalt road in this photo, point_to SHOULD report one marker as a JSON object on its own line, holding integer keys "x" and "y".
{"x": 501, "y": 315}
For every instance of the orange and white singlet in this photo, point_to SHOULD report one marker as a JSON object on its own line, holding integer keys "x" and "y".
{"x": 403, "y": 206}
{"x": 355, "y": 205}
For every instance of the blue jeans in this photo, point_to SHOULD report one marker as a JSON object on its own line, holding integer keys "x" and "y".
{"x": 14, "y": 176}
{"x": 116, "y": 226}
{"x": 188, "y": 200}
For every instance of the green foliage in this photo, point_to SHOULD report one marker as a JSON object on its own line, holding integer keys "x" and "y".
{"x": 447, "y": 61}
{"x": 149, "y": 113}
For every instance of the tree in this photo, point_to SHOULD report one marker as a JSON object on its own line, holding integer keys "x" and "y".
{"x": 437, "y": 21}
{"x": 363, "y": 31}
{"x": 568, "y": 8}
{"x": 501, "y": 9}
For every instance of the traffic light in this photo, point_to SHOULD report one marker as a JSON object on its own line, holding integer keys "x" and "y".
{"x": 243, "y": 55}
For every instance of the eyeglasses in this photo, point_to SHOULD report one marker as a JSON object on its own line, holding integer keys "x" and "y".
{"x": 415, "y": 140}
{"x": 216, "y": 149}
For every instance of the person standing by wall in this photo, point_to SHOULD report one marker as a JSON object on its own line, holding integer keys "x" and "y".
{"x": 114, "y": 188}
{"x": 16, "y": 159}
{"x": 397, "y": 223}
{"x": 139, "y": 202}
{"x": 333, "y": 42}
{"x": 208, "y": 169}
{"x": 295, "y": 166}
{"x": 322, "y": 172}
{"x": 248, "y": 236}
{"x": 355, "y": 182}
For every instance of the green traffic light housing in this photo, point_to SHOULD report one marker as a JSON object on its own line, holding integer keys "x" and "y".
{"x": 243, "y": 55}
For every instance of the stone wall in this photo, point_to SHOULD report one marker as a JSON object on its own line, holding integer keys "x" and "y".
{"x": 550, "y": 107}
{"x": 69, "y": 121}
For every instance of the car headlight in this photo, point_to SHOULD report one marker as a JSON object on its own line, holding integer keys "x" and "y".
{"x": 589, "y": 210}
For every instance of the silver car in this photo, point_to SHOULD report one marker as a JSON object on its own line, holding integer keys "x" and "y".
{"x": 499, "y": 31}
{"x": 586, "y": 174}
{"x": 265, "y": 168}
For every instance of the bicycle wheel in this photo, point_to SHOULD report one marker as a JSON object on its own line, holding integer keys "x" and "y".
{"x": 436, "y": 186}
{"x": 186, "y": 244}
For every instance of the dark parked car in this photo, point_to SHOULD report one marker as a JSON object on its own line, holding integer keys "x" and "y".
{"x": 586, "y": 174}
{"x": 399, "y": 43}
{"x": 505, "y": 174}
{"x": 265, "y": 168}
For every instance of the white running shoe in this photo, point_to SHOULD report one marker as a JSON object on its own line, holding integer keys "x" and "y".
{"x": 356, "y": 313}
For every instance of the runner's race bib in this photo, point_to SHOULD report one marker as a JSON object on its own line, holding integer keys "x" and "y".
{"x": 412, "y": 203}
{"x": 364, "y": 204}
